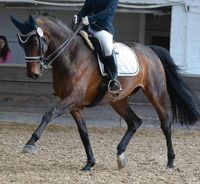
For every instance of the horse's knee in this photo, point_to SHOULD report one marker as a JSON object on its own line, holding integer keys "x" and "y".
{"x": 46, "y": 117}
{"x": 133, "y": 126}
{"x": 138, "y": 123}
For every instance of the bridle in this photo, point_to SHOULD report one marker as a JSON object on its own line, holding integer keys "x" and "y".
{"x": 45, "y": 62}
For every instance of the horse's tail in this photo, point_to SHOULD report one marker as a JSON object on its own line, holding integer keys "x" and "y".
{"x": 184, "y": 103}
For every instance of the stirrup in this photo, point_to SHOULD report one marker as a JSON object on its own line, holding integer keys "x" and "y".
{"x": 114, "y": 92}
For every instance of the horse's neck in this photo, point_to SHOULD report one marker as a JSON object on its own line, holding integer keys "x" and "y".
{"x": 57, "y": 39}
{"x": 64, "y": 66}
{"x": 59, "y": 33}
{"x": 74, "y": 63}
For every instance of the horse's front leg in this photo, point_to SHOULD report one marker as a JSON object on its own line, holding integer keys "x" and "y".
{"x": 85, "y": 139}
{"x": 61, "y": 108}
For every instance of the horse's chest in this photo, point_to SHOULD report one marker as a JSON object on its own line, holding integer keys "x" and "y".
{"x": 62, "y": 88}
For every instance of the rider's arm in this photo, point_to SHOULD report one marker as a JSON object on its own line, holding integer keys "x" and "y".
{"x": 108, "y": 11}
{"x": 84, "y": 11}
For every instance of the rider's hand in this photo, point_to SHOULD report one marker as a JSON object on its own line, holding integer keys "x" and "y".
{"x": 85, "y": 21}
{"x": 75, "y": 19}
{"x": 74, "y": 22}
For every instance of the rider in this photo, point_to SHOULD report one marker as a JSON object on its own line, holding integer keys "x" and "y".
{"x": 99, "y": 14}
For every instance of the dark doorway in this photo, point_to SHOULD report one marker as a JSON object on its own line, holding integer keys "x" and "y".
{"x": 157, "y": 28}
{"x": 161, "y": 41}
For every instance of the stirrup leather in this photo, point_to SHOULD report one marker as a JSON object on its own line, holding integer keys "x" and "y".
{"x": 114, "y": 92}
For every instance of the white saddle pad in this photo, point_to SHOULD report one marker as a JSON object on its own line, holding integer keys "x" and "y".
{"x": 127, "y": 62}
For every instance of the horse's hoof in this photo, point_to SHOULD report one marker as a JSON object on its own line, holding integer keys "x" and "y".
{"x": 170, "y": 165}
{"x": 121, "y": 161}
{"x": 87, "y": 169}
{"x": 28, "y": 149}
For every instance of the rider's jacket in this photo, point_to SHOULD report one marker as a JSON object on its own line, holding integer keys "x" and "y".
{"x": 100, "y": 14}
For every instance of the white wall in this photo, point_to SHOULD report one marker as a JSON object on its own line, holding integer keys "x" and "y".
{"x": 185, "y": 38}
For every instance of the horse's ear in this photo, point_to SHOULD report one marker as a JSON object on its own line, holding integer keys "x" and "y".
{"x": 31, "y": 19}
{"x": 16, "y": 22}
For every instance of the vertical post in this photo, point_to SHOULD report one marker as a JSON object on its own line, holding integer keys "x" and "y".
{"x": 142, "y": 26}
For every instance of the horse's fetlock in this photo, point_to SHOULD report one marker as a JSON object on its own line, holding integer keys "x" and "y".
{"x": 92, "y": 161}
{"x": 120, "y": 150}
{"x": 171, "y": 156}
{"x": 35, "y": 137}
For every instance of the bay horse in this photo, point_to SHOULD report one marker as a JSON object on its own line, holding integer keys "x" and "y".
{"x": 76, "y": 79}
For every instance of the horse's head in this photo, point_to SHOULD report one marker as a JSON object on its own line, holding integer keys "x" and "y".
{"x": 35, "y": 43}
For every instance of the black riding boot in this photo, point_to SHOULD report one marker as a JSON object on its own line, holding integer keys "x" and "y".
{"x": 114, "y": 85}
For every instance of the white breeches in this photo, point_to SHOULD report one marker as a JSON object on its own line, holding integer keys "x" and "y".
{"x": 105, "y": 39}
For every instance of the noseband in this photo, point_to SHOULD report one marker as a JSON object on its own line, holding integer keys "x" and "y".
{"x": 44, "y": 61}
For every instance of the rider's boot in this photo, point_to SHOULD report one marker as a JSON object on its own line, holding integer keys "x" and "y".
{"x": 114, "y": 85}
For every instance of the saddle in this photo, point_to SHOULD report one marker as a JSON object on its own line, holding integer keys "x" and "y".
{"x": 95, "y": 46}
{"x": 126, "y": 58}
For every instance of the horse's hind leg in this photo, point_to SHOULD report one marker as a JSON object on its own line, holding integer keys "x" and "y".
{"x": 133, "y": 123}
{"x": 158, "y": 100}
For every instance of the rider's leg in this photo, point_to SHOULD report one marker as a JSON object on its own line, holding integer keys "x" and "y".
{"x": 114, "y": 85}
{"x": 106, "y": 40}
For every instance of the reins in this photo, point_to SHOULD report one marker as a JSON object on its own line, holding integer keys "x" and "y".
{"x": 50, "y": 59}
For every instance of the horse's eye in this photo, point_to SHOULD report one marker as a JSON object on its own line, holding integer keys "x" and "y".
{"x": 35, "y": 42}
